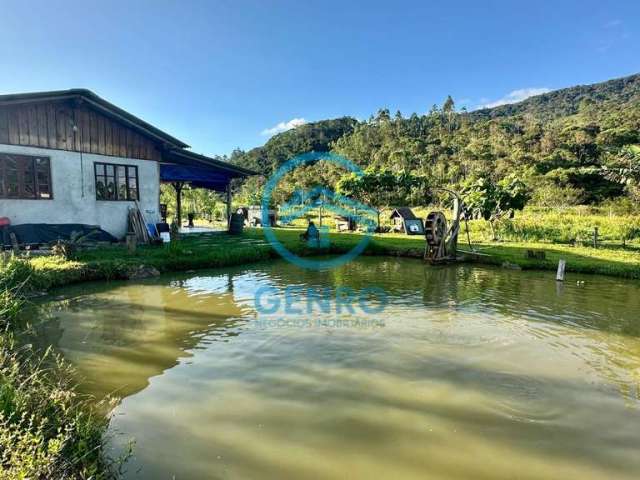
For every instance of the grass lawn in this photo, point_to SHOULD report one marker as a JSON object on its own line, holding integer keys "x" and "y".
{"x": 607, "y": 260}
{"x": 614, "y": 261}
{"x": 220, "y": 250}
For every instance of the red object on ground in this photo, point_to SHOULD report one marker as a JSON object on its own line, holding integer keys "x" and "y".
{"x": 4, "y": 221}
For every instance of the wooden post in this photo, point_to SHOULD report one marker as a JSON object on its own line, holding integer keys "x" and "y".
{"x": 178, "y": 187}
{"x": 228, "y": 206}
{"x": 561, "y": 266}
{"x": 14, "y": 243}
{"x": 452, "y": 244}
{"x": 131, "y": 242}
{"x": 595, "y": 237}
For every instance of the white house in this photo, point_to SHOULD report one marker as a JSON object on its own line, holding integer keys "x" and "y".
{"x": 72, "y": 157}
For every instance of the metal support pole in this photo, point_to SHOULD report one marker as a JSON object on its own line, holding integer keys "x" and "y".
{"x": 228, "y": 206}
{"x": 178, "y": 187}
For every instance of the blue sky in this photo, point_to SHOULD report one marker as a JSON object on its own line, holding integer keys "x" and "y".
{"x": 226, "y": 74}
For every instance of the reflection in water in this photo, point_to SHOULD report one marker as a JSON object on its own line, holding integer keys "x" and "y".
{"x": 128, "y": 334}
{"x": 477, "y": 373}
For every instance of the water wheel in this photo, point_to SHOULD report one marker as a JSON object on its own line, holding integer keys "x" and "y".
{"x": 435, "y": 228}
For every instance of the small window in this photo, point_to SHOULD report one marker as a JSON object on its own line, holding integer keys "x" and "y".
{"x": 116, "y": 182}
{"x": 24, "y": 176}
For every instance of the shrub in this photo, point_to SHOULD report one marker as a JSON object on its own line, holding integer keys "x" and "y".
{"x": 551, "y": 195}
{"x": 10, "y": 305}
{"x": 15, "y": 272}
{"x": 46, "y": 430}
{"x": 15, "y": 280}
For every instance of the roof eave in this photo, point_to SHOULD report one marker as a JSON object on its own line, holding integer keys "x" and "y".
{"x": 239, "y": 172}
{"x": 99, "y": 103}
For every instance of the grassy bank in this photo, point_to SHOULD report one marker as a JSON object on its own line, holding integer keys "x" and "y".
{"x": 220, "y": 250}
{"x": 47, "y": 430}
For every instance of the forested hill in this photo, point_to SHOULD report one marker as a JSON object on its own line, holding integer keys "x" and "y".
{"x": 558, "y": 143}
{"x": 567, "y": 101}
{"x": 316, "y": 136}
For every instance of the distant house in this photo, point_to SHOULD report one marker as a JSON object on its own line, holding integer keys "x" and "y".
{"x": 405, "y": 221}
{"x": 254, "y": 216}
{"x": 72, "y": 157}
{"x": 345, "y": 224}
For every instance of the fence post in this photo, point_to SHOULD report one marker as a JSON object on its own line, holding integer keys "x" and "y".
{"x": 560, "y": 274}
{"x": 595, "y": 237}
{"x": 14, "y": 243}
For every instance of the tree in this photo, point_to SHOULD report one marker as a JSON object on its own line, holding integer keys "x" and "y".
{"x": 449, "y": 105}
{"x": 316, "y": 136}
{"x": 557, "y": 143}
{"x": 380, "y": 188}
{"x": 549, "y": 194}
{"x": 251, "y": 191}
{"x": 495, "y": 200}
{"x": 624, "y": 168}
{"x": 449, "y": 113}
{"x": 199, "y": 201}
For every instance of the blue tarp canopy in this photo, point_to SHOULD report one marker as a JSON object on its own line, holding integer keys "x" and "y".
{"x": 199, "y": 177}
{"x": 182, "y": 167}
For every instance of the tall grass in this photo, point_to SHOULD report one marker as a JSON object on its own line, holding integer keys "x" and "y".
{"x": 568, "y": 225}
{"x": 15, "y": 274}
{"x": 564, "y": 227}
{"x": 537, "y": 224}
{"x": 47, "y": 430}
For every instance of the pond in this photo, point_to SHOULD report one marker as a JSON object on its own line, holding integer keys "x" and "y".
{"x": 456, "y": 372}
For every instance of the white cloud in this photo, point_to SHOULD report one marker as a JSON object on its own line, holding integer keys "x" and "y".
{"x": 604, "y": 47}
{"x": 284, "y": 126}
{"x": 514, "y": 97}
{"x": 615, "y": 33}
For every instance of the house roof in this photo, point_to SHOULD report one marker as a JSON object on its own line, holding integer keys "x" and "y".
{"x": 99, "y": 104}
{"x": 173, "y": 150}
{"x": 404, "y": 212}
{"x": 185, "y": 157}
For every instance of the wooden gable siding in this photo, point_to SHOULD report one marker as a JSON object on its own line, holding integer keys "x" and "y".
{"x": 50, "y": 125}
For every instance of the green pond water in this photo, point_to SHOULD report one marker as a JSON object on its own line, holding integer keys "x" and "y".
{"x": 467, "y": 373}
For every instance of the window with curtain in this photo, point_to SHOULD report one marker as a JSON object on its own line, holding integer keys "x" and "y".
{"x": 116, "y": 182}
{"x": 25, "y": 177}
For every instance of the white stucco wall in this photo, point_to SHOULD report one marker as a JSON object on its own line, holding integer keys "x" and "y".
{"x": 74, "y": 192}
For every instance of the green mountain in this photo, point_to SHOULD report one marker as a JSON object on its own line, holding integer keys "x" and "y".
{"x": 316, "y": 136}
{"x": 568, "y": 101}
{"x": 558, "y": 143}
